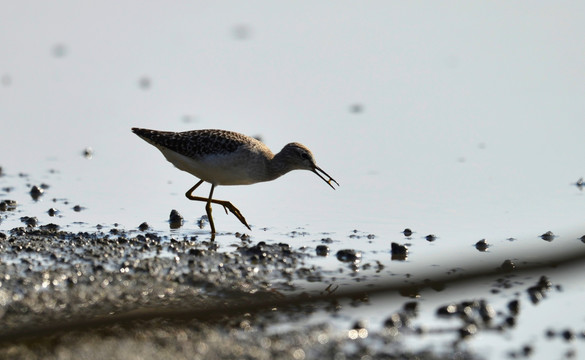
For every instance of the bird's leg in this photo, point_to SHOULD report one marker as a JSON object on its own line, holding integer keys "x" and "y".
{"x": 226, "y": 205}
{"x": 208, "y": 210}
{"x": 190, "y": 191}
{"x": 189, "y": 195}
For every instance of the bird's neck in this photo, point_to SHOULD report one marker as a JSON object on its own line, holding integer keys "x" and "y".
{"x": 277, "y": 166}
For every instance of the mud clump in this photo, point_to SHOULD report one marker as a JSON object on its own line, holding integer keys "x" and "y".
{"x": 322, "y": 250}
{"x": 349, "y": 255}
{"x": 7, "y": 205}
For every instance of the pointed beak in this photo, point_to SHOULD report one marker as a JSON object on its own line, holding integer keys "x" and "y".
{"x": 317, "y": 169}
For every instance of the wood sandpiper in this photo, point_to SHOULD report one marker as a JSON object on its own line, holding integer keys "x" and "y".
{"x": 223, "y": 157}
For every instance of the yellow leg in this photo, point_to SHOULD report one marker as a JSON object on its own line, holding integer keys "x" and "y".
{"x": 208, "y": 210}
{"x": 226, "y": 205}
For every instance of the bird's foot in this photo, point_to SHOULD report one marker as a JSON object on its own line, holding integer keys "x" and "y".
{"x": 234, "y": 210}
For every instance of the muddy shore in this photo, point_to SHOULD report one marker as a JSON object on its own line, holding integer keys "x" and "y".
{"x": 83, "y": 295}
{"x": 116, "y": 293}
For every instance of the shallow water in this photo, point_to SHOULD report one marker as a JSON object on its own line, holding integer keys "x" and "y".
{"x": 465, "y": 123}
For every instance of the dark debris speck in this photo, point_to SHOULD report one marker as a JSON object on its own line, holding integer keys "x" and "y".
{"x": 548, "y": 236}
{"x": 482, "y": 245}
{"x": 36, "y": 192}
{"x": 430, "y": 238}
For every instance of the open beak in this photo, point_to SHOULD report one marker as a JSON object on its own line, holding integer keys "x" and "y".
{"x": 316, "y": 169}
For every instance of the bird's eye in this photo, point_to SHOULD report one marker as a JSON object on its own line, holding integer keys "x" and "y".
{"x": 305, "y": 156}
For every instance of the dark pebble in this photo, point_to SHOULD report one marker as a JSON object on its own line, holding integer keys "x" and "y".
{"x": 468, "y": 330}
{"x": 481, "y": 245}
{"x": 549, "y": 333}
{"x": 411, "y": 307}
{"x": 143, "y": 226}
{"x": 349, "y": 255}
{"x": 486, "y": 311}
{"x": 544, "y": 283}
{"x": 527, "y": 350}
{"x": 537, "y": 292}
{"x": 514, "y": 307}
{"x": 399, "y": 249}
{"x": 547, "y": 236}
{"x": 36, "y": 192}
{"x": 430, "y": 238}
{"x": 52, "y": 212}
{"x": 77, "y": 208}
{"x": 511, "y": 321}
{"x": 407, "y": 232}
{"x": 396, "y": 320}
{"x": 447, "y": 310}
{"x": 508, "y": 265}
{"x": 326, "y": 240}
{"x": 2, "y": 236}
{"x": 399, "y": 252}
{"x": 582, "y": 239}
{"x": 87, "y": 152}
{"x": 322, "y": 250}
{"x": 568, "y": 335}
{"x": 175, "y": 219}
{"x": 393, "y": 321}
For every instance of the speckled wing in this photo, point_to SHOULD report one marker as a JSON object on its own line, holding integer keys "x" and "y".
{"x": 194, "y": 144}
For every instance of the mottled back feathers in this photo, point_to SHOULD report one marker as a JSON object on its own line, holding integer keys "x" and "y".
{"x": 197, "y": 143}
